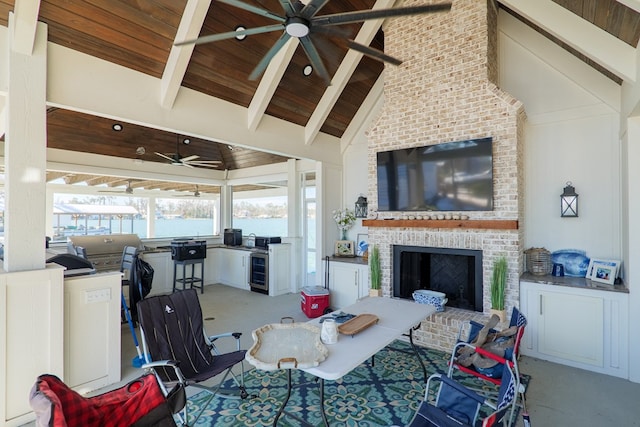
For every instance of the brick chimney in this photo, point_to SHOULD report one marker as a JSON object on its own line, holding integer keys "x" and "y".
{"x": 445, "y": 90}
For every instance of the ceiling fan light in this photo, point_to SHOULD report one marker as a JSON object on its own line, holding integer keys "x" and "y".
{"x": 241, "y": 36}
{"x": 297, "y": 27}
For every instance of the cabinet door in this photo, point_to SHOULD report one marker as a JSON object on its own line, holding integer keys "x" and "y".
{"x": 343, "y": 285}
{"x": 571, "y": 327}
{"x": 279, "y": 269}
{"x": 233, "y": 268}
{"x": 363, "y": 278}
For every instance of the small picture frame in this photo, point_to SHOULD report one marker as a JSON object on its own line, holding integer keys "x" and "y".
{"x": 362, "y": 244}
{"x": 604, "y": 273}
{"x": 610, "y": 262}
{"x": 345, "y": 248}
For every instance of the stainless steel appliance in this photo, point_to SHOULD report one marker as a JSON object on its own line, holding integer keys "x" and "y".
{"x": 104, "y": 251}
{"x": 263, "y": 242}
{"x": 232, "y": 237}
{"x": 259, "y": 271}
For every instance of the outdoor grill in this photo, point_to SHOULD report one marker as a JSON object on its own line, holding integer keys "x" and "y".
{"x": 104, "y": 251}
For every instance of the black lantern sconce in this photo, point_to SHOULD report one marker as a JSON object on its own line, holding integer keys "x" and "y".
{"x": 361, "y": 207}
{"x": 569, "y": 202}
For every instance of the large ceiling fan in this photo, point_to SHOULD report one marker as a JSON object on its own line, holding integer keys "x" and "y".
{"x": 301, "y": 21}
{"x": 189, "y": 161}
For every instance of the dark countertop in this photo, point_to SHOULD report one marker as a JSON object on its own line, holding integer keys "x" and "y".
{"x": 349, "y": 260}
{"x": 573, "y": 282}
{"x": 167, "y": 248}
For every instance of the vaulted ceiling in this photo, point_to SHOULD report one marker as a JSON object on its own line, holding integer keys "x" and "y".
{"x": 140, "y": 35}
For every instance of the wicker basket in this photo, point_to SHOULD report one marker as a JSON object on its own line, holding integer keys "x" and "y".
{"x": 538, "y": 261}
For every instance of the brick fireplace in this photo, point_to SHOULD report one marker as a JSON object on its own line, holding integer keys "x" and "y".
{"x": 444, "y": 91}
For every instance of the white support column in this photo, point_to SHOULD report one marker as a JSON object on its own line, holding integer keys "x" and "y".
{"x": 226, "y": 207}
{"x": 151, "y": 217}
{"x": 25, "y": 155}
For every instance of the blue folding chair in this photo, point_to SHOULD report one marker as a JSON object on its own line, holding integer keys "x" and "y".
{"x": 448, "y": 403}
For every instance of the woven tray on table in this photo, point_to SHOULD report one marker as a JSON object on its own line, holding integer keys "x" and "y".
{"x": 285, "y": 346}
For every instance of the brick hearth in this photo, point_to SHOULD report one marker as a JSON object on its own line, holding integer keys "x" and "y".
{"x": 445, "y": 91}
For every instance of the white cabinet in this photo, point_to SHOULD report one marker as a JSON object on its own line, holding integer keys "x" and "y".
{"x": 92, "y": 331}
{"x": 212, "y": 266}
{"x": 348, "y": 282}
{"x": 234, "y": 268}
{"x": 584, "y": 328}
{"x": 162, "y": 271}
{"x": 279, "y": 269}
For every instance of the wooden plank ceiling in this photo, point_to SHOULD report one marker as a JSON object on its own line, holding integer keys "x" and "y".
{"x": 139, "y": 35}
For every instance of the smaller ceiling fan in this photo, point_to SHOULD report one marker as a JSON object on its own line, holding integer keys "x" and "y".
{"x": 189, "y": 161}
{"x": 127, "y": 190}
{"x": 196, "y": 193}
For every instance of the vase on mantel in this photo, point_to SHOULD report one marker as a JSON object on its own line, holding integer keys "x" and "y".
{"x": 344, "y": 234}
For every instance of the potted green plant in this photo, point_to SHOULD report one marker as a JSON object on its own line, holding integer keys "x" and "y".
{"x": 498, "y": 287}
{"x": 374, "y": 272}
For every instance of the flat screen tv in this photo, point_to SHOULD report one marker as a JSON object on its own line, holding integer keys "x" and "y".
{"x": 452, "y": 176}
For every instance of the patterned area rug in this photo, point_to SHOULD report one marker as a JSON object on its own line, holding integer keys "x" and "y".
{"x": 382, "y": 395}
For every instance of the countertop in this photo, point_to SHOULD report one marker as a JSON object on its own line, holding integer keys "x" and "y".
{"x": 167, "y": 248}
{"x": 349, "y": 260}
{"x": 573, "y": 282}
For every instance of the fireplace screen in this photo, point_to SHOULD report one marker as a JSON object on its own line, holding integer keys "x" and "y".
{"x": 456, "y": 272}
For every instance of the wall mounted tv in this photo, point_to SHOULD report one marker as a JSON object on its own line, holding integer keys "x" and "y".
{"x": 451, "y": 176}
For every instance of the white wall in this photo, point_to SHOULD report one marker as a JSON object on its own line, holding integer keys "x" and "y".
{"x": 355, "y": 180}
{"x": 571, "y": 135}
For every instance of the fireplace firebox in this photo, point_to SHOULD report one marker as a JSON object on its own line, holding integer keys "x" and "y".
{"x": 456, "y": 272}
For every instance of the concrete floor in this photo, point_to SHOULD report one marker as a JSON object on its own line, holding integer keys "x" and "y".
{"x": 557, "y": 395}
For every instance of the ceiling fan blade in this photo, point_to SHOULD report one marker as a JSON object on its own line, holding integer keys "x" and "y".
{"x": 164, "y": 156}
{"x": 204, "y": 165}
{"x": 312, "y": 8}
{"x": 331, "y": 31}
{"x": 364, "y": 15}
{"x": 189, "y": 158}
{"x": 262, "y": 65}
{"x": 288, "y": 7}
{"x": 193, "y": 162}
{"x": 373, "y": 53}
{"x": 231, "y": 34}
{"x": 253, "y": 9}
{"x": 314, "y": 57}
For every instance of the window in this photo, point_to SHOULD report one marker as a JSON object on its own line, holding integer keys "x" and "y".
{"x": 82, "y": 214}
{"x": 187, "y": 217}
{"x": 261, "y": 212}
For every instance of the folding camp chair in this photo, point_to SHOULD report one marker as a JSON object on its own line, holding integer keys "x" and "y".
{"x": 139, "y": 403}
{"x": 477, "y": 342}
{"x": 178, "y": 350}
{"x": 456, "y": 405}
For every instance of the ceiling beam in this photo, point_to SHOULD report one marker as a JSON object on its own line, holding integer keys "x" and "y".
{"x": 368, "y": 108}
{"x": 191, "y": 23}
{"x": 24, "y": 24}
{"x": 600, "y": 46}
{"x": 269, "y": 83}
{"x": 343, "y": 74}
{"x": 631, "y": 4}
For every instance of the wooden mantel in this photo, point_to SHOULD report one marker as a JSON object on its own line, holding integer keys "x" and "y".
{"x": 483, "y": 224}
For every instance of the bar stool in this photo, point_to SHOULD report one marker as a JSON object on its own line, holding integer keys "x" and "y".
{"x": 193, "y": 281}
